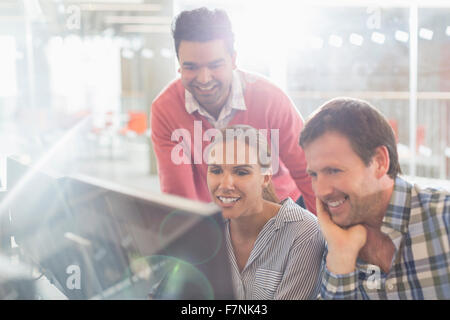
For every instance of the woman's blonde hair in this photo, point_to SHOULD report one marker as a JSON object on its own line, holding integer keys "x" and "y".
{"x": 253, "y": 138}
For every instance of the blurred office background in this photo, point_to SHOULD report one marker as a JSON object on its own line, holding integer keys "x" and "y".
{"x": 77, "y": 77}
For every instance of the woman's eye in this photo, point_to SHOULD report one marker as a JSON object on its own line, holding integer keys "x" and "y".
{"x": 242, "y": 172}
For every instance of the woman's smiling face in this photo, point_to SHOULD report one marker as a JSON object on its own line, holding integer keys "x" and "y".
{"x": 234, "y": 181}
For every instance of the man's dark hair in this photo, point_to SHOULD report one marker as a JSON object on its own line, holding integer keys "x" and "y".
{"x": 364, "y": 126}
{"x": 203, "y": 25}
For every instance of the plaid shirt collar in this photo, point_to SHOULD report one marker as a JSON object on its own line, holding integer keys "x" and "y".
{"x": 395, "y": 222}
{"x": 397, "y": 218}
{"x": 235, "y": 100}
{"x": 398, "y": 212}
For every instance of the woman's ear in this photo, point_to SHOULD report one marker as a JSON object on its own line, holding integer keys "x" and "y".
{"x": 267, "y": 178}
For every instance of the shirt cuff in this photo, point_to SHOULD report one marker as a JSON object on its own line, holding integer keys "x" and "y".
{"x": 339, "y": 286}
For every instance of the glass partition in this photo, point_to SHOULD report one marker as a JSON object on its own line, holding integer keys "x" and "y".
{"x": 63, "y": 61}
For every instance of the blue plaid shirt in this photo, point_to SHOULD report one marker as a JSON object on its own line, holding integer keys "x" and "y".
{"x": 417, "y": 221}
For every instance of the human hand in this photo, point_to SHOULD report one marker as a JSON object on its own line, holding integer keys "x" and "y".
{"x": 343, "y": 244}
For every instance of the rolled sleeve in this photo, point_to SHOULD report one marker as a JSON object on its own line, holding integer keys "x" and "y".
{"x": 339, "y": 286}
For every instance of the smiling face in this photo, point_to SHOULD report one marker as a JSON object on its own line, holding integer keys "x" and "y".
{"x": 206, "y": 70}
{"x": 236, "y": 186}
{"x": 340, "y": 179}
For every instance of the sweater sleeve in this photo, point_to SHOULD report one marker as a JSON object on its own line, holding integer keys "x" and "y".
{"x": 290, "y": 124}
{"x": 174, "y": 165}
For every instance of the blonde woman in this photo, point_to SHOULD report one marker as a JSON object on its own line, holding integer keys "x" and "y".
{"x": 275, "y": 247}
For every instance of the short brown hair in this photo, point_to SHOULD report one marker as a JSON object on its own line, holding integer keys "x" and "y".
{"x": 202, "y": 25}
{"x": 364, "y": 126}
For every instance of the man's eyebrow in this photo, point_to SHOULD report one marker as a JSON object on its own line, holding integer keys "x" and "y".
{"x": 187, "y": 63}
{"x": 217, "y": 61}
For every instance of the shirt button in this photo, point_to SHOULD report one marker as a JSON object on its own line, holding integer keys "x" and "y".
{"x": 390, "y": 285}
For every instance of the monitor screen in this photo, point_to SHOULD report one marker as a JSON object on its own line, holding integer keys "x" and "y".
{"x": 98, "y": 240}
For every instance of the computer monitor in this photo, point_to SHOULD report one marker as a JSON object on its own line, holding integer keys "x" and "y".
{"x": 98, "y": 240}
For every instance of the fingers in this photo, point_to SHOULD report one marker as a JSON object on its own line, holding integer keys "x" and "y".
{"x": 353, "y": 238}
{"x": 322, "y": 214}
{"x": 358, "y": 235}
{"x": 329, "y": 228}
{"x": 325, "y": 222}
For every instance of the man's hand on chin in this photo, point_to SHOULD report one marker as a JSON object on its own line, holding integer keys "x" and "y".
{"x": 343, "y": 244}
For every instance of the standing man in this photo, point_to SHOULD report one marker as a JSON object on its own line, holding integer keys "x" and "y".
{"x": 387, "y": 238}
{"x": 212, "y": 94}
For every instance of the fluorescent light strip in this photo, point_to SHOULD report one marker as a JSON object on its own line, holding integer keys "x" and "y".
{"x": 356, "y": 39}
{"x": 78, "y": 239}
{"x": 166, "y": 53}
{"x": 401, "y": 36}
{"x": 137, "y": 19}
{"x": 127, "y": 54}
{"x": 426, "y": 34}
{"x": 105, "y": 1}
{"x": 146, "y": 28}
{"x": 147, "y": 53}
{"x": 335, "y": 41}
{"x": 377, "y": 3}
{"x": 378, "y": 37}
{"x": 12, "y": 18}
{"x": 121, "y": 7}
{"x": 447, "y": 31}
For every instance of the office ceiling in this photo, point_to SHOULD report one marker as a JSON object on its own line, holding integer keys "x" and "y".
{"x": 61, "y": 17}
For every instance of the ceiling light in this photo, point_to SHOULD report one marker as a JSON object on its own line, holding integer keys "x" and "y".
{"x": 147, "y": 53}
{"x": 137, "y": 20}
{"x": 127, "y": 54}
{"x": 166, "y": 53}
{"x": 401, "y": 36}
{"x": 356, "y": 39}
{"x": 146, "y": 28}
{"x": 378, "y": 37}
{"x": 426, "y": 34}
{"x": 335, "y": 41}
{"x": 121, "y": 7}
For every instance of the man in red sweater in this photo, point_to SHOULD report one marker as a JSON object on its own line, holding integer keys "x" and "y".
{"x": 213, "y": 93}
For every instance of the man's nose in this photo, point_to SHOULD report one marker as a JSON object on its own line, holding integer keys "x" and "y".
{"x": 204, "y": 75}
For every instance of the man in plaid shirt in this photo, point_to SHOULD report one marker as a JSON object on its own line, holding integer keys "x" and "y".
{"x": 386, "y": 238}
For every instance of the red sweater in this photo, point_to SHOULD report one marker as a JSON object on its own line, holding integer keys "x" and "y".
{"x": 267, "y": 108}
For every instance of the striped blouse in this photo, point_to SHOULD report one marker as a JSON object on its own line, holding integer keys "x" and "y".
{"x": 285, "y": 262}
